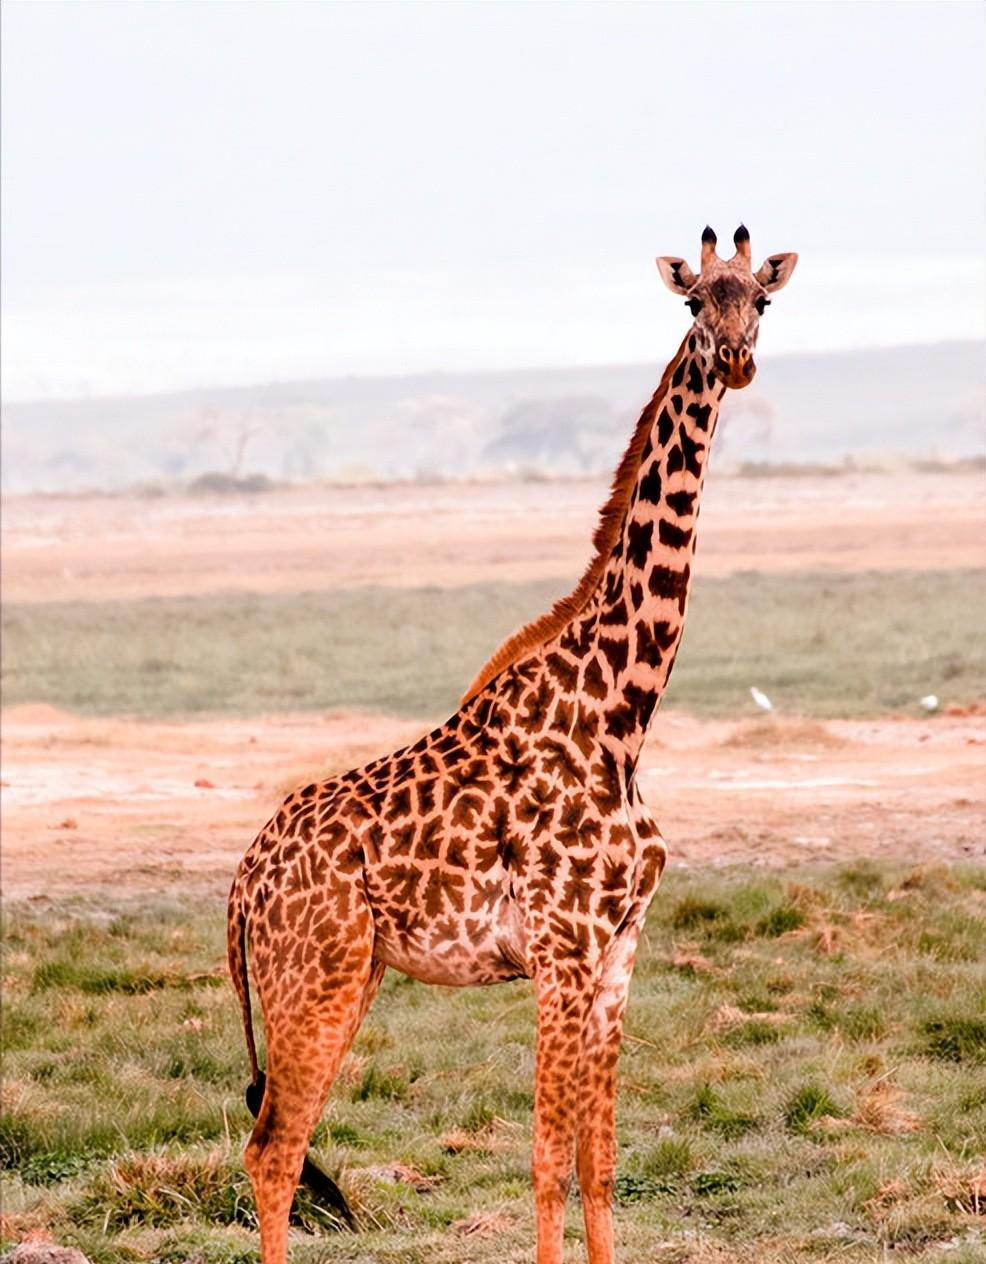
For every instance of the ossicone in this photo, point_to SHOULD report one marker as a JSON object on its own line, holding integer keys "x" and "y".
{"x": 709, "y": 240}
{"x": 741, "y": 240}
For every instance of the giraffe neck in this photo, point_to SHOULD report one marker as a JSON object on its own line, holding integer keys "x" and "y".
{"x": 639, "y": 606}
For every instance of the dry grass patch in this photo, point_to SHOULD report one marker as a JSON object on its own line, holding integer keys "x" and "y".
{"x": 396, "y": 1174}
{"x": 878, "y": 1108}
{"x": 497, "y": 1135}
{"x": 963, "y": 1191}
{"x": 693, "y": 961}
{"x": 929, "y": 1206}
{"x": 157, "y": 1189}
{"x": 487, "y": 1224}
{"x": 730, "y": 1017}
{"x": 770, "y": 732}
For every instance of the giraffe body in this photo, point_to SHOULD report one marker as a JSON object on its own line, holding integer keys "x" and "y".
{"x": 510, "y": 842}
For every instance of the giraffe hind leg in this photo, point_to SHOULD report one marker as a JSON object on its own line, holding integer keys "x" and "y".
{"x": 310, "y": 1020}
{"x": 312, "y": 1177}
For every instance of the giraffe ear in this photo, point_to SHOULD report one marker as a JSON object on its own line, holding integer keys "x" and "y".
{"x": 776, "y": 271}
{"x": 676, "y": 274}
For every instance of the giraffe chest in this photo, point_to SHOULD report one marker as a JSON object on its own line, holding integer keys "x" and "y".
{"x": 455, "y": 904}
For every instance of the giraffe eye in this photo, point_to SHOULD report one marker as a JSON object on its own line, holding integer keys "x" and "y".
{"x": 762, "y": 303}
{"x": 694, "y": 305}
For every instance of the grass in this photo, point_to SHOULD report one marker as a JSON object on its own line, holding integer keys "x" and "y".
{"x": 826, "y": 644}
{"x": 802, "y": 1080}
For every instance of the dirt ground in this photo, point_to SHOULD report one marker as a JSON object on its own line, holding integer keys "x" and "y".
{"x": 98, "y": 547}
{"x": 150, "y": 806}
{"x": 145, "y": 806}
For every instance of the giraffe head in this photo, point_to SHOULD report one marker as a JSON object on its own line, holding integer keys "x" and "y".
{"x": 727, "y": 299}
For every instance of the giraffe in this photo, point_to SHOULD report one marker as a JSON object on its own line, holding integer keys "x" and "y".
{"x": 512, "y": 841}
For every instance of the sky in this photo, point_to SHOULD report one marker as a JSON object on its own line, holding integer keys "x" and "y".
{"x": 201, "y": 194}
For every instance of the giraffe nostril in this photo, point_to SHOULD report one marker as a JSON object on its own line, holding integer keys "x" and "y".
{"x": 744, "y": 354}
{"x": 725, "y": 354}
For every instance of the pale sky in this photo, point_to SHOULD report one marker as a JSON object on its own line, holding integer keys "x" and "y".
{"x": 219, "y": 193}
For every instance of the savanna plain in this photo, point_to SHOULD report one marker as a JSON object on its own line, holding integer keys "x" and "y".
{"x": 803, "y": 1075}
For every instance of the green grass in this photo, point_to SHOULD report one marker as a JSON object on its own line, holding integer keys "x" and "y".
{"x": 779, "y": 1101}
{"x": 826, "y": 644}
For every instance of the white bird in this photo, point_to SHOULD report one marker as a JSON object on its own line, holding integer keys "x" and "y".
{"x": 930, "y": 702}
{"x": 761, "y": 699}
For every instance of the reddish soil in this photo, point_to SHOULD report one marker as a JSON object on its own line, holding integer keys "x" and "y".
{"x": 100, "y": 547}
{"x": 148, "y": 806}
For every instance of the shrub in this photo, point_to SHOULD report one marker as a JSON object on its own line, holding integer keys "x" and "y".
{"x": 691, "y": 913}
{"x": 780, "y": 920}
{"x": 708, "y": 1184}
{"x": 388, "y": 1086}
{"x": 51, "y": 1167}
{"x": 632, "y": 1188}
{"x": 708, "y": 1109}
{"x": 671, "y": 1157}
{"x": 808, "y": 1105}
{"x": 754, "y": 1032}
{"x": 955, "y": 1039}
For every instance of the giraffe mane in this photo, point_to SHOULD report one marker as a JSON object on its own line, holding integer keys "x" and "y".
{"x": 608, "y": 528}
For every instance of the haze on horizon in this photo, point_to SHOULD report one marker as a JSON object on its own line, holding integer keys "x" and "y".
{"x": 198, "y": 195}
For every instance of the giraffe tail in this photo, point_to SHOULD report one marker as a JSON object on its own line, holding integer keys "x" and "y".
{"x": 322, "y": 1186}
{"x": 237, "y": 958}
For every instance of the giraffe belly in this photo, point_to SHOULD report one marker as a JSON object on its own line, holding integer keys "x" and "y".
{"x": 476, "y": 950}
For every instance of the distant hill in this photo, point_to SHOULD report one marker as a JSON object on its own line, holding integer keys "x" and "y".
{"x": 902, "y": 402}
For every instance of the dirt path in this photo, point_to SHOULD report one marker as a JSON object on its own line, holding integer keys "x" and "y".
{"x": 98, "y": 548}
{"x": 150, "y": 806}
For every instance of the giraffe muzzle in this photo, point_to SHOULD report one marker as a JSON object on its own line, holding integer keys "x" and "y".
{"x": 735, "y": 367}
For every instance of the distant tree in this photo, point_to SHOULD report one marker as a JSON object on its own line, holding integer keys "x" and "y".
{"x": 231, "y": 433}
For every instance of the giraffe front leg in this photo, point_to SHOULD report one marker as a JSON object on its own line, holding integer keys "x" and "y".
{"x": 562, "y": 1009}
{"x": 596, "y": 1142}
